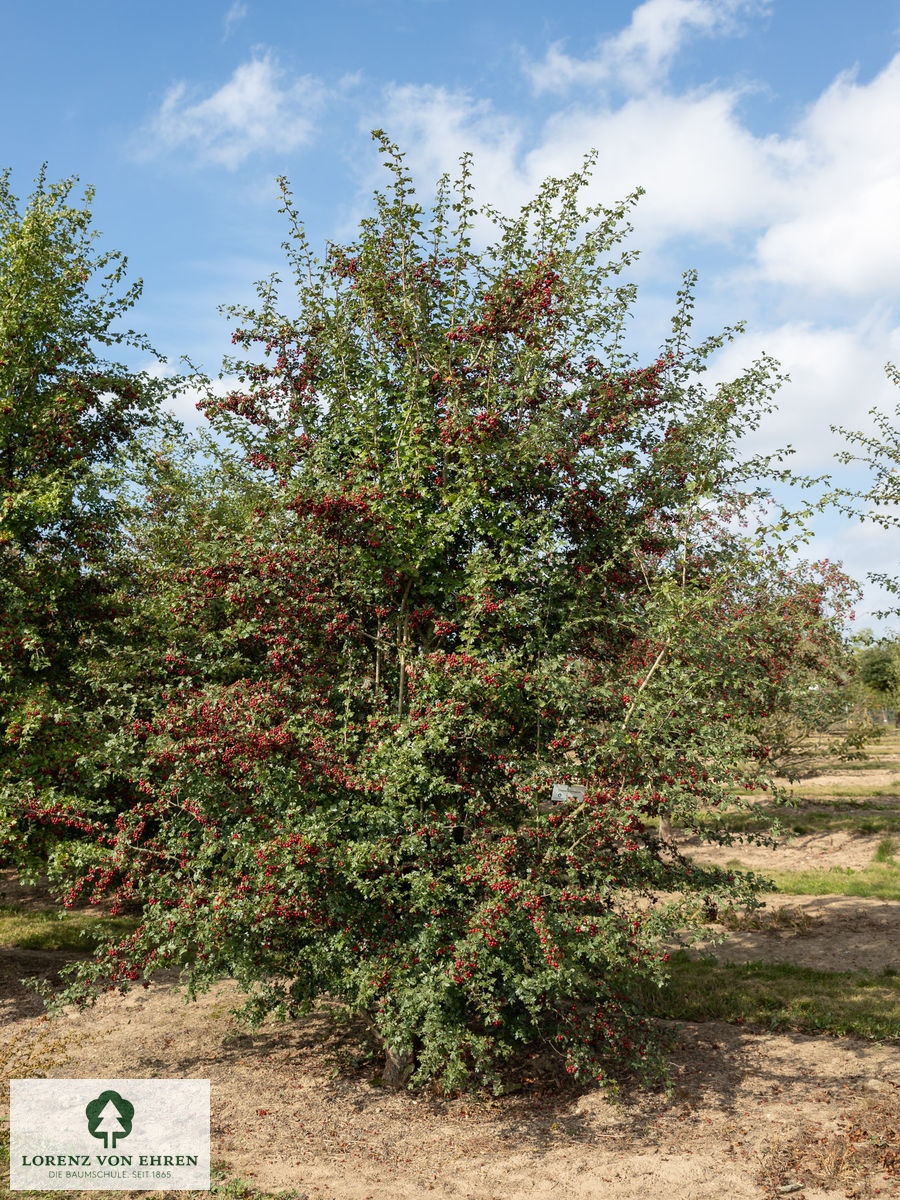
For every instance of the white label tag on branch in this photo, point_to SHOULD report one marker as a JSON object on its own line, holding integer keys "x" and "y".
{"x": 566, "y": 791}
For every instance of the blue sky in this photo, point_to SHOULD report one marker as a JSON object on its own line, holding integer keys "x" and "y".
{"x": 765, "y": 135}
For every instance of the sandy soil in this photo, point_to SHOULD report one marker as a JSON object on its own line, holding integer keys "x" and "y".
{"x": 751, "y": 1113}
{"x": 295, "y": 1106}
{"x": 835, "y": 782}
{"x": 800, "y": 852}
{"x": 827, "y": 933}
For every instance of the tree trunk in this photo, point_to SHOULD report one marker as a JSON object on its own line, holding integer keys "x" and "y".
{"x": 398, "y": 1066}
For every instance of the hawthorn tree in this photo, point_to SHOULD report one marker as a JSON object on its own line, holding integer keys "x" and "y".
{"x": 424, "y": 707}
{"x": 66, "y": 412}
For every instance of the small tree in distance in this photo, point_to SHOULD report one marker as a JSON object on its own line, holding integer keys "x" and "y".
{"x": 424, "y": 710}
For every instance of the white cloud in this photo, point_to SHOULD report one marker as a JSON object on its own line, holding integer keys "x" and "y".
{"x": 819, "y": 201}
{"x": 836, "y": 376}
{"x": 235, "y": 14}
{"x": 641, "y": 54}
{"x": 861, "y": 547}
{"x": 839, "y": 229}
{"x": 704, "y": 173}
{"x": 702, "y": 169}
{"x": 183, "y": 405}
{"x": 435, "y": 126}
{"x": 259, "y": 109}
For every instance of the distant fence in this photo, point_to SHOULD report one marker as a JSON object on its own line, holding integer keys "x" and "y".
{"x": 884, "y": 716}
{"x": 866, "y": 716}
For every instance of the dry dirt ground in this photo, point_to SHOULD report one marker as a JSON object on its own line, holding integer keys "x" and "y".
{"x": 828, "y": 933}
{"x": 752, "y": 1114}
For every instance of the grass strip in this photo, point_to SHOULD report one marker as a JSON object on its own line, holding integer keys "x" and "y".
{"x": 864, "y": 821}
{"x": 876, "y": 882}
{"x": 880, "y": 880}
{"x": 51, "y": 930}
{"x": 780, "y": 996}
{"x": 844, "y": 816}
{"x": 812, "y": 790}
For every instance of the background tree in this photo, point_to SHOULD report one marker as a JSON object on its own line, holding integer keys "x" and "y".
{"x": 874, "y": 682}
{"x": 813, "y": 720}
{"x": 880, "y": 452}
{"x": 879, "y": 669}
{"x": 66, "y": 413}
{"x": 424, "y": 706}
{"x": 878, "y": 664}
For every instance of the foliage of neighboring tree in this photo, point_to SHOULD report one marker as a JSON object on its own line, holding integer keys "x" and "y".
{"x": 877, "y": 661}
{"x": 874, "y": 684}
{"x": 66, "y": 412}
{"x": 810, "y": 723}
{"x": 879, "y": 670}
{"x": 487, "y": 621}
{"x": 880, "y": 451}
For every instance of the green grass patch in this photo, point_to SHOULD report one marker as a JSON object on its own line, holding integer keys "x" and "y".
{"x": 51, "y": 930}
{"x": 843, "y": 815}
{"x": 779, "y": 996}
{"x": 886, "y": 761}
{"x": 866, "y": 821}
{"x": 810, "y": 789}
{"x": 887, "y": 848}
{"x": 879, "y": 881}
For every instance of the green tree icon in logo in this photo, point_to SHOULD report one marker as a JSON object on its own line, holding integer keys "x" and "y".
{"x": 109, "y": 1116}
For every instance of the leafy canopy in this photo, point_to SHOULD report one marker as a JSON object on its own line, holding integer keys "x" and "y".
{"x": 67, "y": 413}
{"x": 422, "y": 708}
